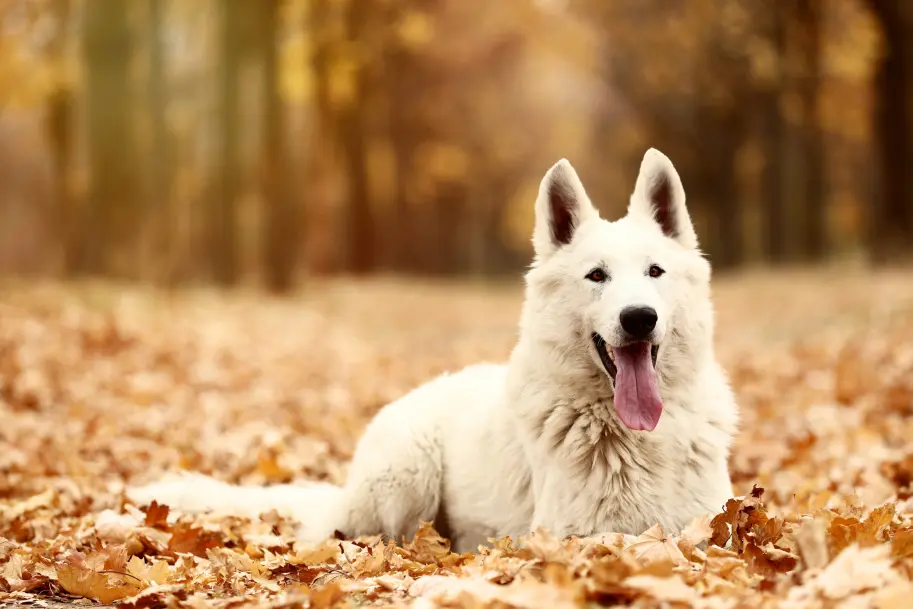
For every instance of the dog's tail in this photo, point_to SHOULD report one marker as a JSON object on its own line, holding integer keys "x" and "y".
{"x": 315, "y": 506}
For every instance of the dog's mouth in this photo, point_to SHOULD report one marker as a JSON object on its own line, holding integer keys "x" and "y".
{"x": 607, "y": 355}
{"x": 632, "y": 369}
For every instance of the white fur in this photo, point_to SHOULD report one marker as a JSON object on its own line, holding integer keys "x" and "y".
{"x": 500, "y": 450}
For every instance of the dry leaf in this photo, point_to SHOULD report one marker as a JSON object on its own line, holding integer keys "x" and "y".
{"x": 654, "y": 546}
{"x": 157, "y": 516}
{"x": 427, "y": 546}
{"x": 669, "y": 589}
{"x": 103, "y": 587}
{"x": 249, "y": 391}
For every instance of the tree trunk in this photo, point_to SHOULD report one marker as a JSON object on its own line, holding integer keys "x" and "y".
{"x": 158, "y": 208}
{"x": 353, "y": 135}
{"x": 222, "y": 222}
{"x": 60, "y": 126}
{"x": 112, "y": 221}
{"x": 813, "y": 228}
{"x": 280, "y": 243}
{"x": 891, "y": 229}
{"x": 400, "y": 230}
{"x": 773, "y": 137}
{"x": 723, "y": 197}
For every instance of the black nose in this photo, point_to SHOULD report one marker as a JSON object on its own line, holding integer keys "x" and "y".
{"x": 638, "y": 322}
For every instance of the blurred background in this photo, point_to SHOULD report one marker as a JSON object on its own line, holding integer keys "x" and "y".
{"x": 265, "y": 141}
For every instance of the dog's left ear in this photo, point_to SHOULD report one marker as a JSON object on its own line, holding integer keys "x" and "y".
{"x": 659, "y": 194}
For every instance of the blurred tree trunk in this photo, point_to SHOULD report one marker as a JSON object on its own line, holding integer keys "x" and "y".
{"x": 813, "y": 226}
{"x": 280, "y": 242}
{"x": 717, "y": 184}
{"x": 723, "y": 149}
{"x": 799, "y": 224}
{"x": 353, "y": 135}
{"x": 114, "y": 197}
{"x": 721, "y": 131}
{"x": 60, "y": 128}
{"x": 160, "y": 158}
{"x": 773, "y": 142}
{"x": 322, "y": 153}
{"x": 891, "y": 230}
{"x": 400, "y": 228}
{"x": 222, "y": 221}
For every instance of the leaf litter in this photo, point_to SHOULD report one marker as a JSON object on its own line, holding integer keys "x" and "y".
{"x": 102, "y": 387}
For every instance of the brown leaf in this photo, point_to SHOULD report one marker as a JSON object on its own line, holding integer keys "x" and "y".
{"x": 768, "y": 560}
{"x": 189, "y": 539}
{"x": 157, "y": 516}
{"x": 902, "y": 543}
{"x": 155, "y": 596}
{"x": 327, "y": 596}
{"x": 856, "y": 570}
{"x": 739, "y": 518}
{"x": 103, "y": 587}
{"x": 669, "y": 589}
{"x": 427, "y": 546}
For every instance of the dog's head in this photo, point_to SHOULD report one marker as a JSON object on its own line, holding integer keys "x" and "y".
{"x": 628, "y": 297}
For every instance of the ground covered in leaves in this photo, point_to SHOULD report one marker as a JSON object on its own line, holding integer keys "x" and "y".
{"x": 103, "y": 386}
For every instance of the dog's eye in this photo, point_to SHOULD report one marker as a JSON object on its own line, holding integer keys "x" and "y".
{"x": 597, "y": 275}
{"x": 655, "y": 271}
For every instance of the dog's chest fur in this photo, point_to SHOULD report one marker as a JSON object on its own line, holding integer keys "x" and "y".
{"x": 595, "y": 475}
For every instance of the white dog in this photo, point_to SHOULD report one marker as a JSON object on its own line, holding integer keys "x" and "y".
{"x": 612, "y": 413}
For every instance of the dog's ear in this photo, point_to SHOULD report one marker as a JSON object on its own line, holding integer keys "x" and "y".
{"x": 660, "y": 195}
{"x": 562, "y": 206}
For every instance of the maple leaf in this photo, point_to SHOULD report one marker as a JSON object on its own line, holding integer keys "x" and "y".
{"x": 327, "y": 596}
{"x": 545, "y": 546}
{"x": 159, "y": 572}
{"x": 103, "y": 587}
{"x": 875, "y": 529}
{"x": 114, "y": 557}
{"x": 608, "y": 572}
{"x": 155, "y": 596}
{"x": 669, "y": 589}
{"x": 823, "y": 463}
{"x": 157, "y": 516}
{"x": 655, "y": 546}
{"x": 188, "y": 539}
{"x": 328, "y": 552}
{"x": 812, "y": 541}
{"x": 16, "y": 577}
{"x": 370, "y": 563}
{"x": 769, "y": 560}
{"x": 900, "y": 472}
{"x": 902, "y": 543}
{"x": 696, "y": 533}
{"x": 739, "y": 517}
{"x": 856, "y": 570}
{"x": 427, "y": 546}
{"x": 768, "y": 531}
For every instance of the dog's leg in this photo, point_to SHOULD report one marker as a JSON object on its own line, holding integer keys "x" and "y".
{"x": 395, "y": 478}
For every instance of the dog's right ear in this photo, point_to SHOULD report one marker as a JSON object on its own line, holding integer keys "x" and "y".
{"x": 562, "y": 206}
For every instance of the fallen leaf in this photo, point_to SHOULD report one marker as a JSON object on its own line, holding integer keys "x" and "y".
{"x": 157, "y": 516}
{"x": 106, "y": 588}
{"x": 654, "y": 546}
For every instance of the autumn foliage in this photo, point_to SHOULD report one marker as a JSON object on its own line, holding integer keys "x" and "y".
{"x": 229, "y": 141}
{"x": 100, "y": 387}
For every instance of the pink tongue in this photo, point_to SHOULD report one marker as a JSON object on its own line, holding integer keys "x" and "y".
{"x": 637, "y": 400}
